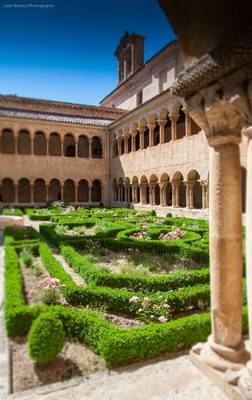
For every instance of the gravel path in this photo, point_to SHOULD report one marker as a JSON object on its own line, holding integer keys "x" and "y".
{"x": 76, "y": 277}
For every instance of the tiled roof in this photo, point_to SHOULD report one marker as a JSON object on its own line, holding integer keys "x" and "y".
{"x": 11, "y": 113}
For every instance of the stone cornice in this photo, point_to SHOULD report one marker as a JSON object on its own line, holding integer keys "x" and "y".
{"x": 214, "y": 66}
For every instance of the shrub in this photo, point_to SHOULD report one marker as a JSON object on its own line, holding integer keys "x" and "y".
{"x": 153, "y": 213}
{"x": 46, "y": 338}
{"x": 27, "y": 257}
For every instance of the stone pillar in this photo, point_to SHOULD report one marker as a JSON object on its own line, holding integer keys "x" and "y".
{"x": 174, "y": 118}
{"x": 119, "y": 146}
{"x": 225, "y": 227}
{"x": 162, "y": 194}
{"x": 188, "y": 122}
{"x": 47, "y": 192}
{"x": 204, "y": 185}
{"x": 133, "y": 140}
{"x": 62, "y": 146}
{"x": 89, "y": 192}
{"x": 245, "y": 381}
{"x": 162, "y": 124}
{"x": 141, "y": 131}
{"x": 189, "y": 194}
{"x": 151, "y": 127}
{"x": 90, "y": 148}
{"x": 76, "y": 184}
{"x": 32, "y": 194}
{"x": 32, "y": 141}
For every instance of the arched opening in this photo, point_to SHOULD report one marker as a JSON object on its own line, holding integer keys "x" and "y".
{"x": 181, "y": 124}
{"x": 96, "y": 147}
{"x": 167, "y": 190}
{"x": 24, "y": 191}
{"x": 122, "y": 146}
{"x": 194, "y": 177}
{"x": 243, "y": 182}
{"x": 137, "y": 141}
{"x": 39, "y": 191}
{"x": 69, "y": 191}
{"x": 54, "y": 144}
{"x": 69, "y": 145}
{"x": 194, "y": 127}
{"x": 83, "y": 146}
{"x": 83, "y": 191}
{"x": 7, "y": 142}
{"x": 156, "y": 135}
{"x": 24, "y": 142}
{"x": 179, "y": 185}
{"x": 167, "y": 131}
{"x": 54, "y": 190}
{"x": 8, "y": 191}
{"x": 129, "y": 144}
{"x": 146, "y": 138}
{"x": 96, "y": 191}
{"x": 39, "y": 144}
{"x": 115, "y": 190}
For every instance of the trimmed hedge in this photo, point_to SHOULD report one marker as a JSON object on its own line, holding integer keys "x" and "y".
{"x": 116, "y": 346}
{"x": 13, "y": 212}
{"x": 101, "y": 277}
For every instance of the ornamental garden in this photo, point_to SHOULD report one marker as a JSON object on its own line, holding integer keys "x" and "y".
{"x": 108, "y": 286}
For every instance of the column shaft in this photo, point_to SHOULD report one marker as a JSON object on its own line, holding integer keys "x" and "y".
{"x": 226, "y": 245}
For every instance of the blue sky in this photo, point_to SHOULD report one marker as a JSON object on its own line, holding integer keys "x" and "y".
{"x": 66, "y": 52}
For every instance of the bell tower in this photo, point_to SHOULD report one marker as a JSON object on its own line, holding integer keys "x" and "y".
{"x": 130, "y": 55}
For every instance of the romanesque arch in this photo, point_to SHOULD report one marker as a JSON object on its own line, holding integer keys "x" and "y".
{"x": 193, "y": 178}
{"x": 54, "y": 190}
{"x": 181, "y": 124}
{"x": 69, "y": 191}
{"x": 83, "y": 146}
{"x": 39, "y": 191}
{"x": 24, "y": 142}
{"x": 177, "y": 180}
{"x": 96, "y": 191}
{"x": 146, "y": 138}
{"x": 167, "y": 189}
{"x": 156, "y": 135}
{"x": 83, "y": 191}
{"x": 96, "y": 147}
{"x": 7, "y": 141}
{"x": 40, "y": 144}
{"x": 8, "y": 191}
{"x": 54, "y": 144}
{"x": 24, "y": 191}
{"x": 137, "y": 141}
{"x": 115, "y": 190}
{"x": 69, "y": 145}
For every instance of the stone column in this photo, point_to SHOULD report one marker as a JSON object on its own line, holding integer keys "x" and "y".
{"x": 47, "y": 192}
{"x": 141, "y": 131}
{"x": 189, "y": 194}
{"x": 32, "y": 141}
{"x": 32, "y": 194}
{"x": 151, "y": 127}
{"x": 174, "y": 118}
{"x": 245, "y": 381}
{"x": 90, "y": 192}
{"x": 225, "y": 228}
{"x": 126, "y": 144}
{"x": 62, "y": 146}
{"x": 188, "y": 124}
{"x": 162, "y": 194}
{"x": 162, "y": 123}
{"x": 76, "y": 184}
{"x": 133, "y": 140}
{"x": 118, "y": 146}
{"x": 204, "y": 185}
{"x": 173, "y": 185}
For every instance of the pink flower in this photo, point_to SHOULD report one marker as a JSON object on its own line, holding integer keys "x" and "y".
{"x": 134, "y": 299}
{"x": 155, "y": 307}
{"x": 162, "y": 319}
{"x": 167, "y": 307}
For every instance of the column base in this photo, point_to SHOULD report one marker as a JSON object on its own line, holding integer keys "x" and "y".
{"x": 225, "y": 374}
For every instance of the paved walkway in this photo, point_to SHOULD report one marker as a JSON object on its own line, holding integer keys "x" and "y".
{"x": 173, "y": 379}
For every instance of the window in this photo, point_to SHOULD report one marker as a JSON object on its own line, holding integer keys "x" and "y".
{"x": 139, "y": 97}
{"x": 162, "y": 81}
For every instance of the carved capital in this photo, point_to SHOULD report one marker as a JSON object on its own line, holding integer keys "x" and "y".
{"x": 223, "y": 109}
